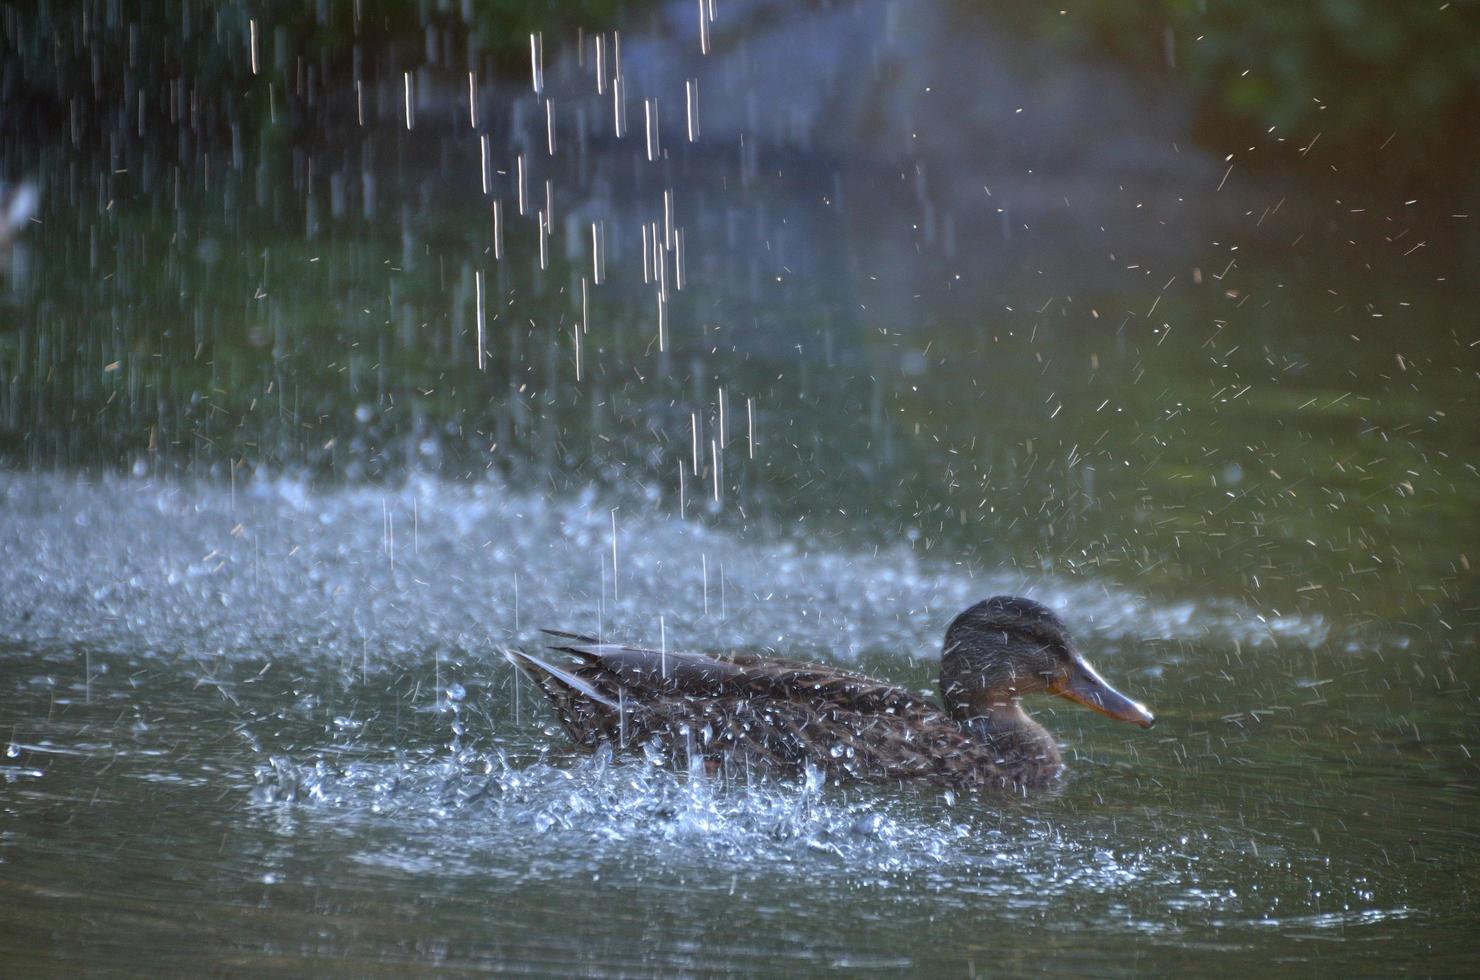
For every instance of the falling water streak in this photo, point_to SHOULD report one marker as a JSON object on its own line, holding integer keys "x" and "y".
{"x": 542, "y": 219}
{"x": 253, "y": 25}
{"x": 678, "y": 261}
{"x": 483, "y": 164}
{"x": 472, "y": 100}
{"x": 714, "y": 461}
{"x": 662, "y": 647}
{"x": 585, "y": 308}
{"x": 682, "y": 493}
{"x": 550, "y": 126}
{"x": 694, "y": 439}
{"x": 537, "y": 62}
{"x": 388, "y": 534}
{"x": 659, "y": 257}
{"x": 601, "y": 64}
{"x": 661, "y": 266}
{"x": 647, "y": 256}
{"x": 522, "y": 182}
{"x": 722, "y": 398}
{"x": 360, "y": 101}
{"x": 615, "y": 593}
{"x": 703, "y": 29}
{"x": 406, "y": 94}
{"x": 478, "y": 292}
{"x": 498, "y": 229}
{"x": 750, "y": 426}
{"x": 598, "y": 235}
{"x": 575, "y": 335}
{"x": 691, "y": 107}
{"x": 650, "y": 121}
{"x": 668, "y": 219}
{"x": 704, "y": 570}
{"x": 618, "y": 106}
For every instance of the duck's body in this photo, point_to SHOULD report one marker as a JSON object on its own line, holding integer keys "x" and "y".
{"x": 744, "y": 712}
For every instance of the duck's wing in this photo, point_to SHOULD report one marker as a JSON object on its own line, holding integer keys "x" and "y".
{"x": 671, "y": 671}
{"x": 650, "y": 673}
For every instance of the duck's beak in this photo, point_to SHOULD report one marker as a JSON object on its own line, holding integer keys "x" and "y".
{"x": 1081, "y": 684}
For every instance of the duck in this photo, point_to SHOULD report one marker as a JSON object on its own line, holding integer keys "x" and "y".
{"x": 745, "y": 714}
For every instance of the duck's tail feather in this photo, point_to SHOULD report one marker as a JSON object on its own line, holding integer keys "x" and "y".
{"x": 588, "y": 714}
{"x": 557, "y": 682}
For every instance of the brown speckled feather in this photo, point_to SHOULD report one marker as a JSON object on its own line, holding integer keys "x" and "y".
{"x": 743, "y": 712}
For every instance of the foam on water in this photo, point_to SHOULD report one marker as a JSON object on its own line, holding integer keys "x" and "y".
{"x": 474, "y": 815}
{"x": 471, "y": 803}
{"x": 363, "y": 574}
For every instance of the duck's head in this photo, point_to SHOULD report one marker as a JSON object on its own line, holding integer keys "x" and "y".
{"x": 1007, "y": 646}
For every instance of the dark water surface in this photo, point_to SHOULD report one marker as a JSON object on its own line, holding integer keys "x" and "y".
{"x": 271, "y": 508}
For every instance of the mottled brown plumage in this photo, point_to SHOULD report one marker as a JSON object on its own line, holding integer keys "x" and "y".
{"x": 744, "y": 712}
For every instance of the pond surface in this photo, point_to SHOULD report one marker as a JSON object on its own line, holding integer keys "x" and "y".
{"x": 300, "y": 432}
{"x": 240, "y": 732}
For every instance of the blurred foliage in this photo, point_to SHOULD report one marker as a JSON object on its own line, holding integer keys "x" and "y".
{"x": 1399, "y": 76}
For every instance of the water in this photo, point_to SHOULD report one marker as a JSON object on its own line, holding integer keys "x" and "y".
{"x": 279, "y": 491}
{"x": 240, "y": 707}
